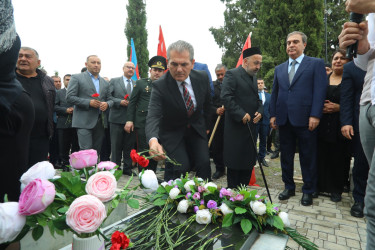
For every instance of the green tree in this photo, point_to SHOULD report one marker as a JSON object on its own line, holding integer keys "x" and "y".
{"x": 239, "y": 20}
{"x": 136, "y": 28}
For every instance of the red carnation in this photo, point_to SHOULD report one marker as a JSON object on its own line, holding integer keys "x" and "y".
{"x": 95, "y": 95}
{"x": 126, "y": 96}
{"x": 134, "y": 155}
{"x": 143, "y": 162}
{"x": 119, "y": 241}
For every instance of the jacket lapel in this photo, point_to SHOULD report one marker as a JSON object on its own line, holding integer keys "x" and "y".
{"x": 175, "y": 92}
{"x": 249, "y": 80}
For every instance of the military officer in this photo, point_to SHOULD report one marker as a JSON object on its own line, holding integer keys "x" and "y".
{"x": 138, "y": 105}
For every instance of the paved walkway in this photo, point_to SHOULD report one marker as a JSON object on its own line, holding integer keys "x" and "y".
{"x": 328, "y": 224}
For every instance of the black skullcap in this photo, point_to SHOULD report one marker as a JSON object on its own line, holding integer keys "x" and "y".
{"x": 158, "y": 62}
{"x": 251, "y": 51}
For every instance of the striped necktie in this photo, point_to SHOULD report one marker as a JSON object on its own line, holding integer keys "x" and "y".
{"x": 187, "y": 98}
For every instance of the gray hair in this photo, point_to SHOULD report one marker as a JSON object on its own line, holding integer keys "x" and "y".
{"x": 87, "y": 59}
{"x": 28, "y": 48}
{"x": 220, "y": 66}
{"x": 304, "y": 37}
{"x": 180, "y": 46}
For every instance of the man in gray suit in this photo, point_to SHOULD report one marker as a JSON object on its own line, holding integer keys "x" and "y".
{"x": 121, "y": 142}
{"x": 89, "y": 118}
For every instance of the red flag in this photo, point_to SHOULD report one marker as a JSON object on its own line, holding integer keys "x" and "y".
{"x": 162, "y": 51}
{"x": 245, "y": 46}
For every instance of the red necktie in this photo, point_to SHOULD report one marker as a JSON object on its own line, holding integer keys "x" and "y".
{"x": 188, "y": 101}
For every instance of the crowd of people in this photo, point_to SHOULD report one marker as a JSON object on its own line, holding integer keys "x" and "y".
{"x": 323, "y": 114}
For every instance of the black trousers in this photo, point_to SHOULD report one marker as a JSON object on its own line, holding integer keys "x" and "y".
{"x": 191, "y": 151}
{"x": 68, "y": 141}
{"x": 237, "y": 177}
{"x": 54, "y": 156}
{"x": 217, "y": 145}
{"x": 38, "y": 149}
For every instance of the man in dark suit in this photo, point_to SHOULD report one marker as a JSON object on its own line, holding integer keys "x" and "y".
{"x": 298, "y": 93}
{"x": 138, "y": 105}
{"x": 351, "y": 90}
{"x": 243, "y": 109}
{"x": 217, "y": 145}
{"x": 121, "y": 142}
{"x": 178, "y": 115}
{"x": 67, "y": 136}
{"x": 263, "y": 127}
{"x": 89, "y": 118}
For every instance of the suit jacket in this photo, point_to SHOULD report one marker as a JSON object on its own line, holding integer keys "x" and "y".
{"x": 301, "y": 99}
{"x": 266, "y": 110}
{"x": 117, "y": 90}
{"x": 138, "y": 105}
{"x": 239, "y": 93}
{"x": 79, "y": 93}
{"x": 167, "y": 117}
{"x": 351, "y": 90}
{"x": 60, "y": 108}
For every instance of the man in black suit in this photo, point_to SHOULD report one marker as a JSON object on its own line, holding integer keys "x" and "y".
{"x": 243, "y": 108}
{"x": 67, "y": 136}
{"x": 178, "y": 114}
{"x": 351, "y": 90}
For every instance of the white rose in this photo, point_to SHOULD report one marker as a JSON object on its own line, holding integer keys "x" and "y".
{"x": 258, "y": 207}
{"x": 42, "y": 170}
{"x": 225, "y": 209}
{"x": 183, "y": 206}
{"x": 11, "y": 222}
{"x": 188, "y": 184}
{"x": 284, "y": 217}
{"x": 164, "y": 183}
{"x": 199, "y": 179}
{"x": 174, "y": 192}
{"x": 210, "y": 184}
{"x": 203, "y": 216}
{"x": 149, "y": 180}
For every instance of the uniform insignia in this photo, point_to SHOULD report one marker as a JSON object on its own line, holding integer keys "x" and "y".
{"x": 147, "y": 89}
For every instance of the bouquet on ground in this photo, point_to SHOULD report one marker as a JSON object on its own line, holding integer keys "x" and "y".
{"x": 67, "y": 202}
{"x": 210, "y": 203}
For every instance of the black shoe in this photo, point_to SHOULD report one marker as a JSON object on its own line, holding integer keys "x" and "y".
{"x": 128, "y": 172}
{"x": 217, "y": 175}
{"x": 306, "y": 199}
{"x": 264, "y": 163}
{"x": 335, "y": 197}
{"x": 275, "y": 155}
{"x": 284, "y": 195}
{"x": 315, "y": 195}
{"x": 357, "y": 209}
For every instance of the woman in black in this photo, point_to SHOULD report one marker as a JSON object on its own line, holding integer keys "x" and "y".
{"x": 333, "y": 148}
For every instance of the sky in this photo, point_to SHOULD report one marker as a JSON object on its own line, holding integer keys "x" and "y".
{"x": 65, "y": 32}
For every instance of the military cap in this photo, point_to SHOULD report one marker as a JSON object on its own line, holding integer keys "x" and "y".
{"x": 158, "y": 62}
{"x": 251, "y": 51}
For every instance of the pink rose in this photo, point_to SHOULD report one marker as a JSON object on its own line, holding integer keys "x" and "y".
{"x": 102, "y": 185}
{"x": 85, "y": 214}
{"x": 36, "y": 197}
{"x": 83, "y": 159}
{"x": 107, "y": 165}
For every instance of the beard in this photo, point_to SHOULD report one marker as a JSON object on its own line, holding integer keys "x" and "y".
{"x": 251, "y": 72}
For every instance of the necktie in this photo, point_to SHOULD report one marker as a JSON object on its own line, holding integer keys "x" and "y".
{"x": 292, "y": 71}
{"x": 128, "y": 88}
{"x": 187, "y": 98}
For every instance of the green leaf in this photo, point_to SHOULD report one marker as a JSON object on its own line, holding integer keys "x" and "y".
{"x": 118, "y": 174}
{"x": 61, "y": 196}
{"x": 133, "y": 203}
{"x": 240, "y": 210}
{"x": 168, "y": 188}
{"x": 63, "y": 210}
{"x": 160, "y": 190}
{"x": 41, "y": 220}
{"x": 159, "y": 202}
{"x": 114, "y": 203}
{"x": 211, "y": 189}
{"x": 278, "y": 223}
{"x": 228, "y": 220}
{"x": 246, "y": 225}
{"x": 51, "y": 228}
{"x": 60, "y": 223}
{"x": 37, "y": 232}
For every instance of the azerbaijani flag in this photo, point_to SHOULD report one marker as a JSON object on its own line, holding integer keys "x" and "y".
{"x": 133, "y": 59}
{"x": 245, "y": 46}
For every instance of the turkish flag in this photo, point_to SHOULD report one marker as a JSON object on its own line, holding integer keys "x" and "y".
{"x": 245, "y": 46}
{"x": 162, "y": 51}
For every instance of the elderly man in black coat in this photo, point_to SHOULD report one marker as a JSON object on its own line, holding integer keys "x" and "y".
{"x": 242, "y": 104}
